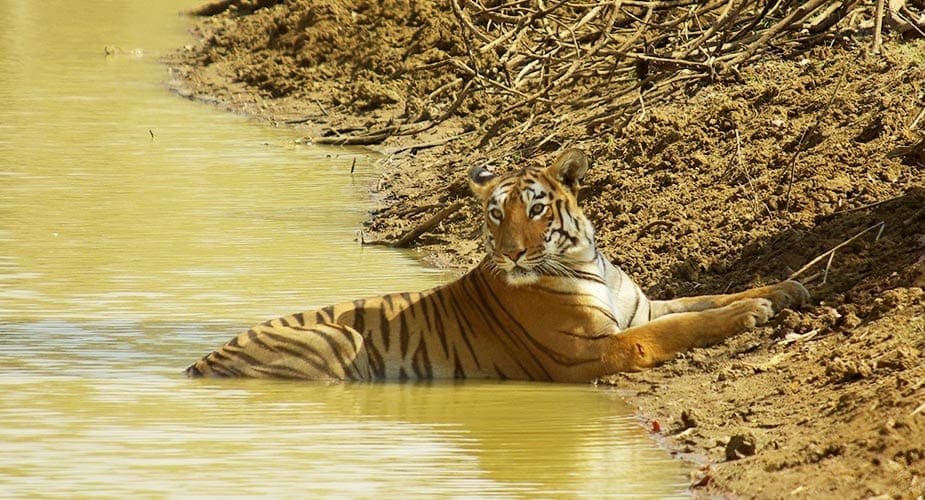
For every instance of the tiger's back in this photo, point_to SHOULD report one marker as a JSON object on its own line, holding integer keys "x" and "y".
{"x": 461, "y": 330}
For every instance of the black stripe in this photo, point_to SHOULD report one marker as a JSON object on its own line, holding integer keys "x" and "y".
{"x": 409, "y": 304}
{"x": 234, "y": 341}
{"x": 222, "y": 371}
{"x": 324, "y": 315}
{"x": 598, "y": 336}
{"x": 635, "y": 308}
{"x": 604, "y": 312}
{"x": 553, "y": 291}
{"x": 464, "y": 328}
{"x": 403, "y": 335}
{"x": 421, "y": 362}
{"x": 299, "y": 318}
{"x": 301, "y": 351}
{"x": 281, "y": 371}
{"x": 221, "y": 360}
{"x": 240, "y": 354}
{"x": 458, "y": 371}
{"x": 375, "y": 360}
{"x": 359, "y": 317}
{"x": 524, "y": 334}
{"x": 436, "y": 301}
{"x": 335, "y": 348}
{"x": 254, "y": 337}
{"x": 384, "y": 329}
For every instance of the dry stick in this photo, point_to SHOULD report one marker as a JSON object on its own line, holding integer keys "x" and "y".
{"x": 661, "y": 5}
{"x": 831, "y": 15}
{"x": 798, "y": 13}
{"x": 878, "y": 27}
{"x": 812, "y": 130}
{"x": 440, "y": 119}
{"x": 862, "y": 207}
{"x": 917, "y": 410}
{"x": 621, "y": 107}
{"x": 374, "y": 137}
{"x": 724, "y": 33}
{"x": 816, "y": 260}
{"x": 524, "y": 21}
{"x": 491, "y": 13}
{"x": 768, "y": 8}
{"x": 475, "y": 74}
{"x": 917, "y": 118}
{"x": 425, "y": 145}
{"x": 318, "y": 103}
{"x": 637, "y": 33}
{"x": 828, "y": 265}
{"x": 427, "y": 225}
{"x": 727, "y": 16}
{"x": 467, "y": 22}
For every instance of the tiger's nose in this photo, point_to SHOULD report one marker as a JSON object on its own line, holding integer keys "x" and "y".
{"x": 515, "y": 254}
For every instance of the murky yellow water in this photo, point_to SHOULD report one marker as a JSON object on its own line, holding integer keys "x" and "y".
{"x": 139, "y": 230}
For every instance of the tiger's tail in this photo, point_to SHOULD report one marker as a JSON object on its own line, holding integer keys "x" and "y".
{"x": 278, "y": 349}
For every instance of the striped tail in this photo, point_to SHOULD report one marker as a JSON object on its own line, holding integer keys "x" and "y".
{"x": 279, "y": 349}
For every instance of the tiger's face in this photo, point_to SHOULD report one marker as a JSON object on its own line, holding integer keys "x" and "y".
{"x": 533, "y": 226}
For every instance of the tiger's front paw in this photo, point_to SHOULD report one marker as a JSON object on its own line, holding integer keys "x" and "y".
{"x": 749, "y": 313}
{"x": 790, "y": 293}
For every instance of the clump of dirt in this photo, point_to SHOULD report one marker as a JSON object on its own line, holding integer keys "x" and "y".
{"x": 805, "y": 164}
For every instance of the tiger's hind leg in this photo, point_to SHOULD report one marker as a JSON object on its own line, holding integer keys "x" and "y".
{"x": 785, "y": 294}
{"x": 324, "y": 351}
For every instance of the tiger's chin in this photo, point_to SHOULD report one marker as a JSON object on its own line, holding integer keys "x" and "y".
{"x": 519, "y": 276}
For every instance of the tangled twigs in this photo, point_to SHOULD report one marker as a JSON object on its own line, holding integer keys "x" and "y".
{"x": 533, "y": 61}
{"x": 546, "y": 55}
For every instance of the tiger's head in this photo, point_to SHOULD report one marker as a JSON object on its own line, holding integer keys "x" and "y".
{"x": 533, "y": 226}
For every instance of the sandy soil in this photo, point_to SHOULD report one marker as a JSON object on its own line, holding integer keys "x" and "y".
{"x": 739, "y": 183}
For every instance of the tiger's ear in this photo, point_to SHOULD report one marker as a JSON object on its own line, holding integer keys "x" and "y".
{"x": 480, "y": 181}
{"x": 570, "y": 168}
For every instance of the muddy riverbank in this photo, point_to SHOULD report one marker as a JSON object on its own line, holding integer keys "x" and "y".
{"x": 802, "y": 162}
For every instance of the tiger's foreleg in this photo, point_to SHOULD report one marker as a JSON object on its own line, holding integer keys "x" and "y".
{"x": 785, "y": 294}
{"x": 321, "y": 351}
{"x": 662, "y": 339}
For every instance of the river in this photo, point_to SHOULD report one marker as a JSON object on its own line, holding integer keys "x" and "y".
{"x": 139, "y": 230}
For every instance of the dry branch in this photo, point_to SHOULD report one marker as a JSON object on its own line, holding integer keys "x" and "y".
{"x": 426, "y": 226}
{"x": 831, "y": 253}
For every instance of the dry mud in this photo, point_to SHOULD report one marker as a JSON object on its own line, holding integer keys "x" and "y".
{"x": 734, "y": 184}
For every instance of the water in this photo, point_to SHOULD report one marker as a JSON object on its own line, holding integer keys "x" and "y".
{"x": 139, "y": 230}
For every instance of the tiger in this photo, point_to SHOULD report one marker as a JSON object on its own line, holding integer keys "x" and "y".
{"x": 544, "y": 304}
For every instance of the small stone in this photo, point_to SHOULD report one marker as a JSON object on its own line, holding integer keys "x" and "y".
{"x": 689, "y": 419}
{"x": 740, "y": 446}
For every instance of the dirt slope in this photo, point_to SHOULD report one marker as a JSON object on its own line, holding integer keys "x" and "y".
{"x": 723, "y": 186}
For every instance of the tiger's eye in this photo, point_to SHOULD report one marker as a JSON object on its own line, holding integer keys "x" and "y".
{"x": 537, "y": 210}
{"x": 495, "y": 214}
